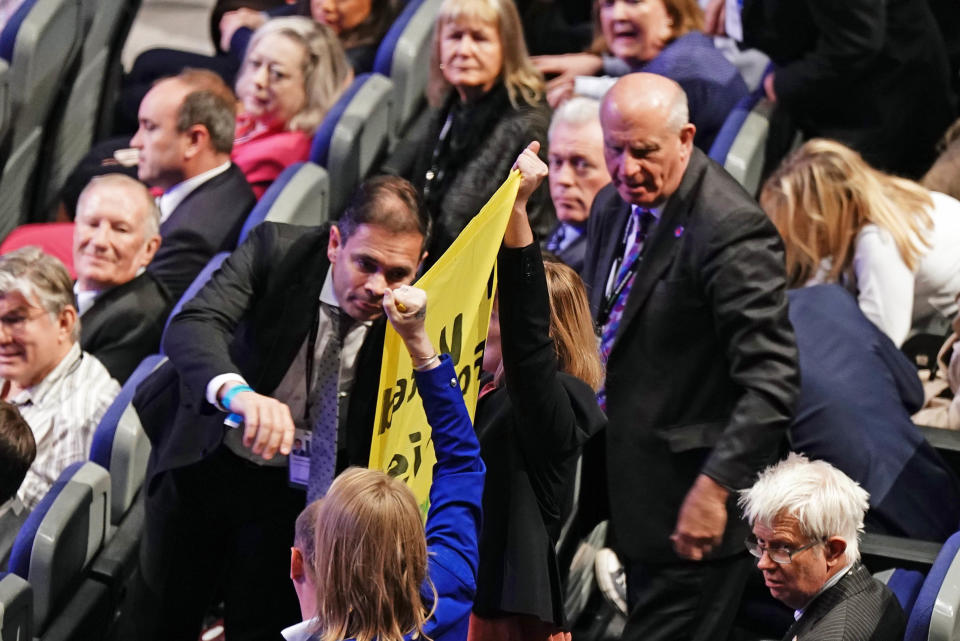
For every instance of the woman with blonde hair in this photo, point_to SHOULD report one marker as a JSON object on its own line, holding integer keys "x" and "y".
{"x": 532, "y": 422}
{"x": 487, "y": 101}
{"x": 378, "y": 572}
{"x": 887, "y": 239}
{"x": 656, "y": 36}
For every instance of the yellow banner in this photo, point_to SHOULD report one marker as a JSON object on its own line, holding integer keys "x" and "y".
{"x": 460, "y": 288}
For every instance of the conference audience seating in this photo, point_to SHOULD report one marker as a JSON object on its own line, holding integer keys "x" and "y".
{"x": 404, "y": 57}
{"x": 39, "y": 43}
{"x": 120, "y": 445}
{"x": 61, "y": 536}
{"x": 54, "y": 238}
{"x": 905, "y": 585}
{"x": 935, "y": 615}
{"x": 16, "y": 608}
{"x": 300, "y": 195}
{"x": 354, "y": 136}
{"x": 4, "y": 98}
{"x": 73, "y": 133}
{"x": 192, "y": 290}
{"x": 740, "y": 145}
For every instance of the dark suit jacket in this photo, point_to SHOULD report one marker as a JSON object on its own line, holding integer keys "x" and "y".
{"x": 857, "y": 608}
{"x": 856, "y": 396}
{"x": 870, "y": 73}
{"x": 702, "y": 376}
{"x": 574, "y": 253}
{"x": 251, "y": 318}
{"x": 124, "y": 324}
{"x": 530, "y": 432}
{"x": 207, "y": 222}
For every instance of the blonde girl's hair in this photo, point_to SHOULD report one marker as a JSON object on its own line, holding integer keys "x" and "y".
{"x": 825, "y": 193}
{"x": 370, "y": 560}
{"x": 571, "y": 329}
{"x": 524, "y": 83}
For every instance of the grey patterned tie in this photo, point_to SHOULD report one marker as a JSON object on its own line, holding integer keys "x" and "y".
{"x": 323, "y": 410}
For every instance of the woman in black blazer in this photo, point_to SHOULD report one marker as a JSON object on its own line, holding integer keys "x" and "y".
{"x": 531, "y": 427}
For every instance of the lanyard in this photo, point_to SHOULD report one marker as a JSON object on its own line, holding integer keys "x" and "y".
{"x": 607, "y": 305}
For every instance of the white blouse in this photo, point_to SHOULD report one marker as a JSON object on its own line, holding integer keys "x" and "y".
{"x": 896, "y": 298}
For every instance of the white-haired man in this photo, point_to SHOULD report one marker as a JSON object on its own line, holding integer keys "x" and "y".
{"x": 577, "y": 172}
{"x": 806, "y": 516}
{"x": 123, "y": 306}
{"x": 61, "y": 391}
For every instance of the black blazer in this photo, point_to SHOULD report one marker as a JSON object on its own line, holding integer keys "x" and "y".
{"x": 857, "y": 608}
{"x": 207, "y": 222}
{"x": 251, "y": 318}
{"x": 702, "y": 376}
{"x": 530, "y": 433}
{"x": 573, "y": 254}
{"x": 872, "y": 74}
{"x": 124, "y": 324}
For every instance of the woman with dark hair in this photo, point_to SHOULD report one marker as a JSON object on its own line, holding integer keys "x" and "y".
{"x": 532, "y": 424}
{"x": 656, "y": 36}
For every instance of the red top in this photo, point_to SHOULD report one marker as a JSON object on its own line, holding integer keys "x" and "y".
{"x": 264, "y": 154}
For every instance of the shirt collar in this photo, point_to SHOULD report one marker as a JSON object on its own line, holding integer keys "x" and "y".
{"x": 832, "y": 581}
{"x": 328, "y": 296}
{"x": 87, "y": 297}
{"x": 298, "y": 632}
{"x": 171, "y": 198}
{"x": 36, "y": 393}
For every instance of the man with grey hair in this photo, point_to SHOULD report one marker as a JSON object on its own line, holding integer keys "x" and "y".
{"x": 123, "y": 306}
{"x": 577, "y": 173}
{"x": 806, "y": 518}
{"x": 687, "y": 286}
{"x": 184, "y": 144}
{"x": 61, "y": 391}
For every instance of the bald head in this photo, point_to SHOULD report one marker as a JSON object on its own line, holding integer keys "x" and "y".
{"x": 116, "y": 232}
{"x": 647, "y": 137}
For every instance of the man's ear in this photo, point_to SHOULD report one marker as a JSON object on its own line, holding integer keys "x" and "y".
{"x": 334, "y": 244}
{"x": 687, "y": 133}
{"x": 198, "y": 139}
{"x": 296, "y": 565}
{"x": 66, "y": 320}
{"x": 833, "y": 550}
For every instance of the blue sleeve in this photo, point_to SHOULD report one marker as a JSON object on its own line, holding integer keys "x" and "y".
{"x": 453, "y": 523}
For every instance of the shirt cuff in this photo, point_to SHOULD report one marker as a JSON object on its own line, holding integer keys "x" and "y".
{"x": 214, "y": 386}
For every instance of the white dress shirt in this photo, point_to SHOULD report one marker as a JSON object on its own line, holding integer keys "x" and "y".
{"x": 63, "y": 411}
{"x": 292, "y": 389}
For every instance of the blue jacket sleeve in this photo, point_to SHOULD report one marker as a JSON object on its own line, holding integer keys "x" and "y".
{"x": 453, "y": 523}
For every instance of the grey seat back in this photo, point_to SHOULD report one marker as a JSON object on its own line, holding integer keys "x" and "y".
{"x": 16, "y": 609}
{"x": 304, "y": 199}
{"x": 46, "y": 44}
{"x": 745, "y": 159}
{"x": 360, "y": 139}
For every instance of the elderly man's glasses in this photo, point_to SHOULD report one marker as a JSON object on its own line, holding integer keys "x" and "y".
{"x": 778, "y": 553}
{"x": 16, "y": 322}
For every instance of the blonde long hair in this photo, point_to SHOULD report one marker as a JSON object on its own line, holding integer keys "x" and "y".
{"x": 370, "y": 560}
{"x": 570, "y": 325}
{"x": 523, "y": 81}
{"x": 825, "y": 193}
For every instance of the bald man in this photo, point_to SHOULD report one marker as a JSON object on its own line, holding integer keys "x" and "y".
{"x": 122, "y": 306}
{"x": 687, "y": 284}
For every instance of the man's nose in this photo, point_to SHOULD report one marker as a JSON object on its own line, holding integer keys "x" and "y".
{"x": 765, "y": 562}
{"x": 100, "y": 235}
{"x": 564, "y": 175}
{"x": 376, "y": 284}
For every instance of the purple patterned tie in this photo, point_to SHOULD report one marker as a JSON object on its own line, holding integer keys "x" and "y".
{"x": 626, "y": 272}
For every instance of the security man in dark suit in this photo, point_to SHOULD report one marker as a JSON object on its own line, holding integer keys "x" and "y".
{"x": 687, "y": 283}
{"x": 287, "y": 335}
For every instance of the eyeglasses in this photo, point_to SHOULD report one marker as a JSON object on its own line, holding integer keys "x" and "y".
{"x": 15, "y": 322}
{"x": 779, "y": 553}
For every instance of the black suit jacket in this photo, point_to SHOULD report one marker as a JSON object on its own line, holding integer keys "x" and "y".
{"x": 530, "y": 430}
{"x": 574, "y": 253}
{"x": 124, "y": 324}
{"x": 857, "y": 608}
{"x": 702, "y": 376}
{"x": 251, "y": 318}
{"x": 870, "y": 73}
{"x": 207, "y": 222}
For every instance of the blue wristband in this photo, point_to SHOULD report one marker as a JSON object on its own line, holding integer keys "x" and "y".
{"x": 233, "y": 391}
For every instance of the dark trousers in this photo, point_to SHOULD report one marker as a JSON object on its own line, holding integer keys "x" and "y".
{"x": 695, "y": 601}
{"x": 221, "y": 528}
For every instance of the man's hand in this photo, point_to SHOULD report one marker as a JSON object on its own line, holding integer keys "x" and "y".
{"x": 715, "y": 18}
{"x": 233, "y": 20}
{"x": 702, "y": 519}
{"x": 268, "y": 426}
{"x": 768, "y": 87}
